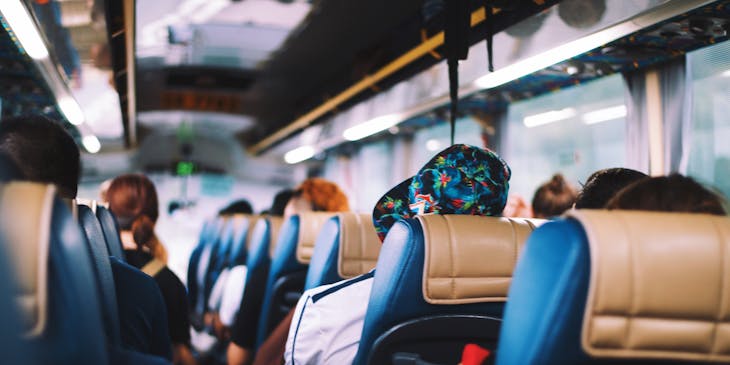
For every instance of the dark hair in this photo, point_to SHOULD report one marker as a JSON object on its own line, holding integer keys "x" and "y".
{"x": 43, "y": 150}
{"x": 602, "y": 185}
{"x": 673, "y": 193}
{"x": 553, "y": 198}
{"x": 133, "y": 199}
{"x": 280, "y": 201}
{"x": 241, "y": 206}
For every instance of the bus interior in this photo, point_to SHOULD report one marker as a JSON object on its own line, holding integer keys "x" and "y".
{"x": 223, "y": 104}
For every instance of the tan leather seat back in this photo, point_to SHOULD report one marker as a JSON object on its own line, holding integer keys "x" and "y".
{"x": 252, "y": 220}
{"x": 26, "y": 210}
{"x": 659, "y": 286}
{"x": 310, "y": 224}
{"x": 359, "y": 245}
{"x": 275, "y": 224}
{"x": 470, "y": 259}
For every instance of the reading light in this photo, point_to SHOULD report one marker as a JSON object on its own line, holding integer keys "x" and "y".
{"x": 24, "y": 28}
{"x": 371, "y": 127}
{"x": 548, "y": 117}
{"x": 606, "y": 114}
{"x": 299, "y": 154}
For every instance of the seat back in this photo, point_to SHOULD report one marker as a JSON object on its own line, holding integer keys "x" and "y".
{"x": 242, "y": 225}
{"x": 347, "y": 246}
{"x": 199, "y": 268}
{"x": 621, "y": 287}
{"x": 14, "y": 351}
{"x": 111, "y": 232}
{"x": 285, "y": 281}
{"x": 258, "y": 264}
{"x": 96, "y": 244}
{"x": 435, "y": 274}
{"x": 56, "y": 292}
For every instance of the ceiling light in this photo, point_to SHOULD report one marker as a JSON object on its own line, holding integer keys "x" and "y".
{"x": 725, "y": 74}
{"x": 545, "y": 59}
{"x": 371, "y": 127}
{"x": 433, "y": 145}
{"x": 91, "y": 143}
{"x": 24, "y": 28}
{"x": 548, "y": 117}
{"x": 71, "y": 110}
{"x": 299, "y": 154}
{"x": 606, "y": 114}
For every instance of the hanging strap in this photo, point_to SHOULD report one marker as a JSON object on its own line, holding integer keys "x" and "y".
{"x": 153, "y": 267}
{"x": 489, "y": 28}
{"x": 456, "y": 43}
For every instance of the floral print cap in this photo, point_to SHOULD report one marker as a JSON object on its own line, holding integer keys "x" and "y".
{"x": 461, "y": 179}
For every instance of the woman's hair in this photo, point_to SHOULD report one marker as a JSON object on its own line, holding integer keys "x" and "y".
{"x": 280, "y": 201}
{"x": 553, "y": 198}
{"x": 323, "y": 195}
{"x": 673, "y": 193}
{"x": 602, "y": 185}
{"x": 133, "y": 200}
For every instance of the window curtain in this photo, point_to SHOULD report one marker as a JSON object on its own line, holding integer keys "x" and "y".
{"x": 676, "y": 102}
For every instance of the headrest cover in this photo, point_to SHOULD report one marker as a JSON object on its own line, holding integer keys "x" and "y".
{"x": 252, "y": 221}
{"x": 470, "y": 259}
{"x": 275, "y": 224}
{"x": 359, "y": 245}
{"x": 659, "y": 286}
{"x": 26, "y": 210}
{"x": 309, "y": 225}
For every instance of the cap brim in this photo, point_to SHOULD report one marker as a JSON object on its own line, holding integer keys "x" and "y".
{"x": 392, "y": 207}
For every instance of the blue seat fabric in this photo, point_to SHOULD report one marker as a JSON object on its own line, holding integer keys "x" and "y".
{"x": 323, "y": 266}
{"x": 397, "y": 295}
{"x": 111, "y": 232}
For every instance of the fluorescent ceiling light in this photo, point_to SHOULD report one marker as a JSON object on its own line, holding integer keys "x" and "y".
{"x": 371, "y": 127}
{"x": 91, "y": 143}
{"x": 433, "y": 145}
{"x": 606, "y": 114}
{"x": 545, "y": 59}
{"x": 548, "y": 117}
{"x": 24, "y": 28}
{"x": 71, "y": 110}
{"x": 299, "y": 154}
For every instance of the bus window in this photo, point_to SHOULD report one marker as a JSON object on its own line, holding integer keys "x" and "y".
{"x": 709, "y": 158}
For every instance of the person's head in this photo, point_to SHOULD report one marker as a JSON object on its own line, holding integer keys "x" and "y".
{"x": 241, "y": 206}
{"x": 673, "y": 193}
{"x": 553, "y": 198}
{"x": 602, "y": 185}
{"x": 280, "y": 201}
{"x": 461, "y": 179}
{"x": 133, "y": 200}
{"x": 43, "y": 150}
{"x": 317, "y": 195}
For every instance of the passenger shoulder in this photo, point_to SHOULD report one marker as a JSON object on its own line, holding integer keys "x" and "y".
{"x": 340, "y": 286}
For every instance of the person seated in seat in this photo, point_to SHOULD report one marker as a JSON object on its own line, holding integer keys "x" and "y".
{"x": 46, "y": 153}
{"x": 312, "y": 195}
{"x": 553, "y": 198}
{"x": 602, "y": 185}
{"x": 461, "y": 179}
{"x": 133, "y": 199}
{"x": 673, "y": 193}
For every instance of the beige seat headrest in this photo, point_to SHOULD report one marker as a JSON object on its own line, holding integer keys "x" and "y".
{"x": 275, "y": 224}
{"x": 252, "y": 221}
{"x": 359, "y": 245}
{"x": 470, "y": 259}
{"x": 310, "y": 224}
{"x": 659, "y": 285}
{"x": 26, "y": 210}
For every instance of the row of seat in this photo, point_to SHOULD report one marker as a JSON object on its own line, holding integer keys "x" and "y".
{"x": 339, "y": 246}
{"x": 443, "y": 281}
{"x": 61, "y": 255}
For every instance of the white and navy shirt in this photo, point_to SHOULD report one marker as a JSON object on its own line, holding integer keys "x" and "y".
{"x": 328, "y": 323}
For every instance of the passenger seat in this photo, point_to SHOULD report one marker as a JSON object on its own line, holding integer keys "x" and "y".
{"x": 619, "y": 287}
{"x": 347, "y": 246}
{"x": 58, "y": 297}
{"x": 441, "y": 282}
